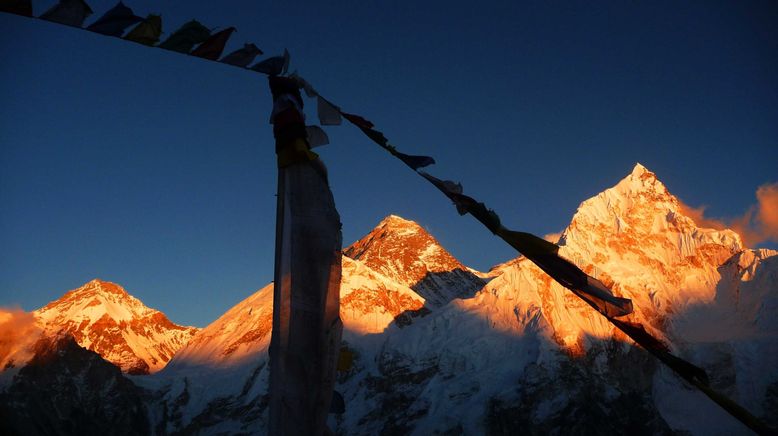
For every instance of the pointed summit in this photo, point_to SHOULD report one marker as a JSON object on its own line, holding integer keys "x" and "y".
{"x": 641, "y": 181}
{"x": 638, "y": 225}
{"x": 404, "y": 252}
{"x": 104, "y": 318}
{"x": 399, "y": 222}
{"x": 98, "y": 285}
{"x": 639, "y": 170}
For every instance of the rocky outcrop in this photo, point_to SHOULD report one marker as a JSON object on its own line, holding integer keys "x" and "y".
{"x": 65, "y": 389}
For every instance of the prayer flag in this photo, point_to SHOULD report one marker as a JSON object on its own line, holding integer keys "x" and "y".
{"x": 274, "y": 66}
{"x": 329, "y": 114}
{"x": 183, "y": 39}
{"x": 115, "y": 21}
{"x": 147, "y": 32}
{"x": 68, "y": 12}
{"x": 242, "y": 57}
{"x": 212, "y": 48}
{"x": 316, "y": 136}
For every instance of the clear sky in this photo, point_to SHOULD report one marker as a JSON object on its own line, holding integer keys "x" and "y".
{"x": 157, "y": 171}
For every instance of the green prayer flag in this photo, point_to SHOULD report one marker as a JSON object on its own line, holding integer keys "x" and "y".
{"x": 183, "y": 39}
{"x": 147, "y": 32}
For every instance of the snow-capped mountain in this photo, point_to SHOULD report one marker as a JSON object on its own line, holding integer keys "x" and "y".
{"x": 429, "y": 346}
{"x": 634, "y": 238}
{"x": 104, "y": 318}
{"x": 403, "y": 251}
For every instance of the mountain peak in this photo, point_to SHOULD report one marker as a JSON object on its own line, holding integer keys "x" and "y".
{"x": 104, "y": 318}
{"x": 641, "y": 181}
{"x": 399, "y": 224}
{"x": 403, "y": 251}
{"x": 639, "y": 170}
{"x": 99, "y": 285}
{"x": 638, "y": 225}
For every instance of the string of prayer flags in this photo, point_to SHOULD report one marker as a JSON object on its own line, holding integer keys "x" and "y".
{"x": 464, "y": 203}
{"x": 243, "y": 56}
{"x": 68, "y": 12}
{"x": 213, "y": 47}
{"x": 275, "y": 66}
{"x": 691, "y": 373}
{"x": 414, "y": 162}
{"x": 17, "y": 7}
{"x": 309, "y": 91}
{"x": 686, "y": 370}
{"x": 602, "y": 299}
{"x": 192, "y": 38}
{"x": 115, "y": 21}
{"x": 542, "y": 253}
{"x": 183, "y": 39}
{"x": 147, "y": 32}
{"x": 367, "y": 128}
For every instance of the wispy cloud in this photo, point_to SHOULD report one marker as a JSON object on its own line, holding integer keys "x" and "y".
{"x": 553, "y": 237}
{"x": 759, "y": 223}
{"x": 18, "y": 331}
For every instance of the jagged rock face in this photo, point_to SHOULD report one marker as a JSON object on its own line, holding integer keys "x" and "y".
{"x": 404, "y": 252}
{"x": 636, "y": 237}
{"x": 104, "y": 318}
{"x": 371, "y": 302}
{"x": 65, "y": 389}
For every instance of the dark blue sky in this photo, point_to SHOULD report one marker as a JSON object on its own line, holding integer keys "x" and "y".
{"x": 157, "y": 170}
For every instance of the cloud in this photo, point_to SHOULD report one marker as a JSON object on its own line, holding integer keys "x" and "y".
{"x": 18, "y": 331}
{"x": 758, "y": 224}
{"x": 553, "y": 237}
{"x": 767, "y": 215}
{"x": 697, "y": 214}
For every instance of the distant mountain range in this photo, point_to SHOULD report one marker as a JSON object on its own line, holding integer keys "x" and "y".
{"x": 434, "y": 347}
